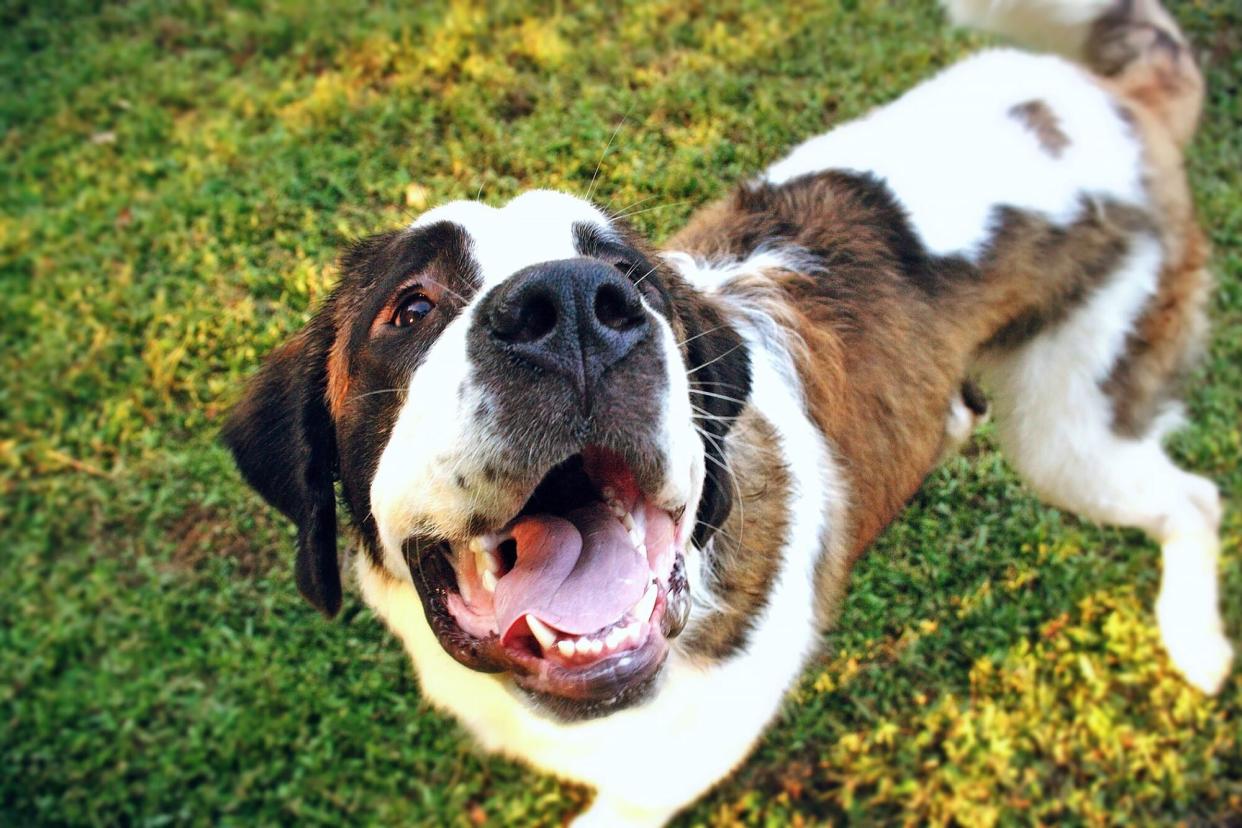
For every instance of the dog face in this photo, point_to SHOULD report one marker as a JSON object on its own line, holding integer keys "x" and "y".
{"x": 520, "y": 405}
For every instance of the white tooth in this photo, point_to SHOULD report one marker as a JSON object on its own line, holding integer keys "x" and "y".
{"x": 486, "y": 562}
{"x": 477, "y": 545}
{"x": 542, "y": 632}
{"x": 597, "y": 647}
{"x": 566, "y": 647}
{"x": 615, "y": 638}
{"x": 642, "y": 610}
{"x": 583, "y": 646}
{"x": 489, "y": 580}
{"x": 627, "y": 522}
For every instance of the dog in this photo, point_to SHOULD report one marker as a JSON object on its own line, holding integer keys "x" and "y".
{"x": 608, "y": 497}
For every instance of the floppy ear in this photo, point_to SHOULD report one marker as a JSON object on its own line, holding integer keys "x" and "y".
{"x": 719, "y": 386}
{"x": 283, "y": 440}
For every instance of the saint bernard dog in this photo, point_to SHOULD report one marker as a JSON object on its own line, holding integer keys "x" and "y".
{"x": 609, "y": 496}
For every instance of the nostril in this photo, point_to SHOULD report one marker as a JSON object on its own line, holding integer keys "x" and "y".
{"x": 616, "y": 309}
{"x": 529, "y": 320}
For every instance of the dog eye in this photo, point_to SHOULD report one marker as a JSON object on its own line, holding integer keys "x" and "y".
{"x": 411, "y": 310}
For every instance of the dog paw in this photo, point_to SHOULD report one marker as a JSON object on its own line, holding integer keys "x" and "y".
{"x": 609, "y": 813}
{"x": 1200, "y": 652}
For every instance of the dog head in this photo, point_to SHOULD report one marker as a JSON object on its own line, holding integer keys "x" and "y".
{"x": 525, "y": 411}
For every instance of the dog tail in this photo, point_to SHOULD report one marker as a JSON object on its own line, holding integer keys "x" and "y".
{"x": 1060, "y": 26}
{"x": 1135, "y": 45}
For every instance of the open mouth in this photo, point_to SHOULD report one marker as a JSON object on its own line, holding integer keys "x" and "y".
{"x": 577, "y": 595}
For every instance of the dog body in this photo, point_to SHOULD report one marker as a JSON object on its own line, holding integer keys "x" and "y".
{"x": 753, "y": 406}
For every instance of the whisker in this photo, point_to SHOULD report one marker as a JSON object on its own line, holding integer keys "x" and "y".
{"x": 700, "y": 414}
{"x": 622, "y": 212}
{"x": 602, "y": 155}
{"x": 655, "y": 207}
{"x": 724, "y": 397}
{"x": 717, "y": 358}
{"x": 719, "y": 384}
{"x": 447, "y": 289}
{"x": 645, "y": 275}
{"x": 717, "y": 530}
{"x": 703, "y": 333}
{"x": 373, "y": 393}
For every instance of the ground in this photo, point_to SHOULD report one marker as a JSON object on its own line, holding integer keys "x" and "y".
{"x": 175, "y": 182}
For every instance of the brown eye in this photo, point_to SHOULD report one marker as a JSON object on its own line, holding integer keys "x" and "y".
{"x": 411, "y": 310}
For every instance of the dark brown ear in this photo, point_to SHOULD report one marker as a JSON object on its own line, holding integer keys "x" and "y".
{"x": 719, "y": 387}
{"x": 283, "y": 440}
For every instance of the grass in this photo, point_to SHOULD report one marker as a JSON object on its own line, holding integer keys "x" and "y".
{"x": 175, "y": 181}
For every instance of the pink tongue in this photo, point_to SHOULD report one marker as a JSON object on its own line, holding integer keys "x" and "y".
{"x": 578, "y": 573}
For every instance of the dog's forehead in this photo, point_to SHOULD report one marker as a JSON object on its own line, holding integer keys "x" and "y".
{"x": 537, "y": 226}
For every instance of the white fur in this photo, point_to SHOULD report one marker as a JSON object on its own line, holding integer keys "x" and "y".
{"x": 534, "y": 227}
{"x": 649, "y": 761}
{"x": 711, "y": 276}
{"x": 952, "y": 152}
{"x": 1058, "y": 26}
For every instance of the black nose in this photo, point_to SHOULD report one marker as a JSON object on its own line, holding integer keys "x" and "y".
{"x": 573, "y": 317}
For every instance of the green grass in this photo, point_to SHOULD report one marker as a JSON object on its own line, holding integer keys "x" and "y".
{"x": 174, "y": 184}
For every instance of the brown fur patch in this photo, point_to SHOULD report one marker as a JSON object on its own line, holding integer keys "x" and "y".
{"x": 338, "y": 376}
{"x": 1043, "y": 122}
{"x": 882, "y": 333}
{"x": 747, "y": 550}
{"x": 1041, "y": 271}
{"x": 1163, "y": 344}
{"x": 878, "y": 360}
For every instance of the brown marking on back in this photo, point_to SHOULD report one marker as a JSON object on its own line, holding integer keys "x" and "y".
{"x": 882, "y": 334}
{"x": 1043, "y": 122}
{"x": 747, "y": 551}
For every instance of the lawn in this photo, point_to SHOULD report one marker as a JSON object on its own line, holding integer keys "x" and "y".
{"x": 175, "y": 182}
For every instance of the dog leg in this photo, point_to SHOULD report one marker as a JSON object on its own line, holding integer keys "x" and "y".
{"x": 967, "y": 411}
{"x": 1080, "y": 466}
{"x": 1057, "y": 424}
